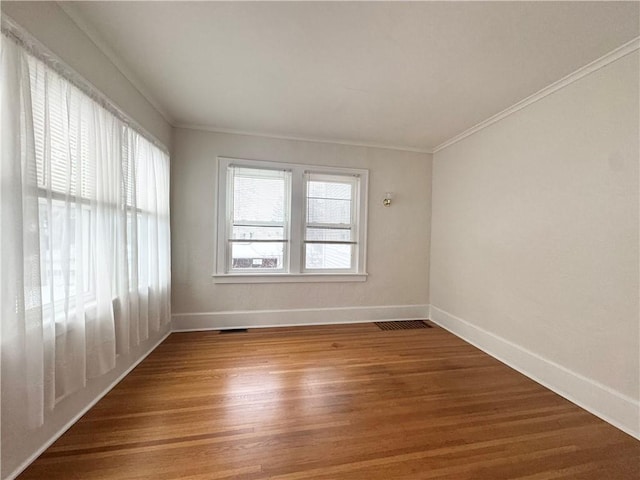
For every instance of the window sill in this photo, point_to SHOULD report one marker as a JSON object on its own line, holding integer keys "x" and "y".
{"x": 289, "y": 277}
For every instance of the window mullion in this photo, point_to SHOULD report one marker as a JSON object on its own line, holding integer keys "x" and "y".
{"x": 298, "y": 217}
{"x": 225, "y": 184}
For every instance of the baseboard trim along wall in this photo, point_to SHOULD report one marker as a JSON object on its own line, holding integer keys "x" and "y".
{"x": 613, "y": 407}
{"x": 186, "y": 322}
{"x": 89, "y": 405}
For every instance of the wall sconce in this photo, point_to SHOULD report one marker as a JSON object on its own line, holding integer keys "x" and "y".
{"x": 387, "y": 199}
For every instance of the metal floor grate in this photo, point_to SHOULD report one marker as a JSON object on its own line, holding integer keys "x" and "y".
{"x": 403, "y": 325}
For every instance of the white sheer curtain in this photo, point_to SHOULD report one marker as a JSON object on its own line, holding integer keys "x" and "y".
{"x": 85, "y": 249}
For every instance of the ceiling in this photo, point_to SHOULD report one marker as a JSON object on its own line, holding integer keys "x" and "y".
{"x": 409, "y": 75}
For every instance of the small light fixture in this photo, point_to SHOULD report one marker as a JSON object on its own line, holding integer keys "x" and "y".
{"x": 387, "y": 199}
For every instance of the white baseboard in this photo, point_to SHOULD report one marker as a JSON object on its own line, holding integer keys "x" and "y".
{"x": 88, "y": 407}
{"x": 618, "y": 409}
{"x": 185, "y": 322}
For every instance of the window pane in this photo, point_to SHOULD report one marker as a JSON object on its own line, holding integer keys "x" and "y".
{"x": 66, "y": 116}
{"x": 319, "y": 256}
{"x": 321, "y": 210}
{"x": 332, "y": 234}
{"x": 258, "y": 233}
{"x": 334, "y": 190}
{"x": 257, "y": 256}
{"x": 259, "y": 195}
{"x": 57, "y": 251}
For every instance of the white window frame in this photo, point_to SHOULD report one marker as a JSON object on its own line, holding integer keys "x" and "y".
{"x": 294, "y": 270}
{"x": 228, "y": 222}
{"x": 353, "y": 223}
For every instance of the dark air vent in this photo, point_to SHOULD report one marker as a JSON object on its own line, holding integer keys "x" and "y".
{"x": 403, "y": 325}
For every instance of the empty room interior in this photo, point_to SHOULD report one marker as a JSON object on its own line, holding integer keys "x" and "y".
{"x": 320, "y": 240}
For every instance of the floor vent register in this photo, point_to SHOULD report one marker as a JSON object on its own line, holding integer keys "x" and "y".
{"x": 403, "y": 325}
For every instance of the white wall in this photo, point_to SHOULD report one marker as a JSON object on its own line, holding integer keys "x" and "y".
{"x": 398, "y": 259}
{"x": 49, "y": 24}
{"x": 534, "y": 248}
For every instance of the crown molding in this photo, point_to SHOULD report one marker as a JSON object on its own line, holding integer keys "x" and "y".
{"x": 230, "y": 131}
{"x": 594, "y": 66}
{"x": 76, "y": 17}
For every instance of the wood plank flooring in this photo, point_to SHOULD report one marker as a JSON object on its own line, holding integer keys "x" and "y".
{"x": 333, "y": 402}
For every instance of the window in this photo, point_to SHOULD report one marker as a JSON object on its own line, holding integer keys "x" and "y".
{"x": 330, "y": 222}
{"x": 288, "y": 222}
{"x": 78, "y": 209}
{"x": 66, "y": 181}
{"x": 258, "y": 219}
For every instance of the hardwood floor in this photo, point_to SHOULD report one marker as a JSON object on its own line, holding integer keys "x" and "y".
{"x": 333, "y": 402}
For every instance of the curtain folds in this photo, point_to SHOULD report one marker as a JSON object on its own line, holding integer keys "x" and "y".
{"x": 85, "y": 246}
